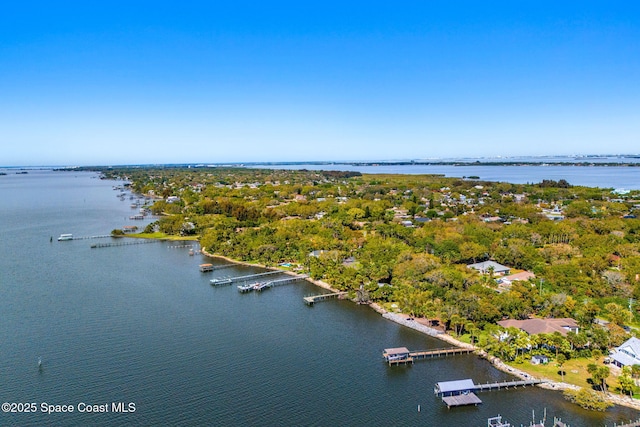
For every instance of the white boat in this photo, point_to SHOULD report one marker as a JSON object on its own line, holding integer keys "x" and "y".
{"x": 216, "y": 282}
{"x": 65, "y": 237}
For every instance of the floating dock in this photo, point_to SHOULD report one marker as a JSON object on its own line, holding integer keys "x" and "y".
{"x": 312, "y": 299}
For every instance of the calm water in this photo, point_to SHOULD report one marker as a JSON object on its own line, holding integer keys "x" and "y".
{"x": 617, "y": 177}
{"x": 141, "y": 324}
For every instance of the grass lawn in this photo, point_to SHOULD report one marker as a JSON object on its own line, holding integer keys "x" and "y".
{"x": 159, "y": 235}
{"x": 575, "y": 371}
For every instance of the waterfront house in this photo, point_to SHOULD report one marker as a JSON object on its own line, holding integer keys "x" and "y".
{"x": 627, "y": 354}
{"x": 542, "y": 326}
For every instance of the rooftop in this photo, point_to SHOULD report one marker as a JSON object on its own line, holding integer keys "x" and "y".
{"x": 541, "y": 326}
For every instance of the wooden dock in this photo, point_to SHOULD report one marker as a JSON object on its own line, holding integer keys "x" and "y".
{"x": 404, "y": 357}
{"x": 438, "y": 352}
{"x": 254, "y": 276}
{"x": 507, "y": 385}
{"x": 220, "y": 267}
{"x": 629, "y": 424}
{"x": 111, "y": 245}
{"x": 462, "y": 392}
{"x": 466, "y": 399}
{"x": 260, "y": 286}
{"x": 104, "y": 236}
{"x": 312, "y": 299}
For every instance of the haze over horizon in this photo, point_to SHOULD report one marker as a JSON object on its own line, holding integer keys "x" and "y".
{"x": 158, "y": 83}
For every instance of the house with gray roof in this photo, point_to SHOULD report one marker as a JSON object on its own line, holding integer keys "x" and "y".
{"x": 486, "y": 266}
{"x": 628, "y": 354}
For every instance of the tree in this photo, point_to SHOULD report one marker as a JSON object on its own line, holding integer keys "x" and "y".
{"x": 587, "y": 399}
{"x": 625, "y": 381}
{"x": 599, "y": 376}
{"x": 617, "y": 313}
{"x": 560, "y": 361}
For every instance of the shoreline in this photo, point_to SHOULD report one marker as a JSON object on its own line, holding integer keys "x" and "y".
{"x": 401, "y": 319}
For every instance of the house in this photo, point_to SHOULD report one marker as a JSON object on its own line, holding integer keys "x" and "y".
{"x": 522, "y": 276}
{"x": 628, "y": 354}
{"x": 542, "y": 326}
{"x": 539, "y": 359}
{"x": 487, "y": 266}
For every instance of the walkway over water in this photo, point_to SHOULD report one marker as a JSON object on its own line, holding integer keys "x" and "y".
{"x": 254, "y": 276}
{"x": 629, "y": 424}
{"x": 507, "y": 385}
{"x": 91, "y": 237}
{"x": 110, "y": 245}
{"x": 220, "y": 267}
{"x": 401, "y": 355}
{"x": 260, "y": 286}
{"x": 462, "y": 392}
{"x": 310, "y": 300}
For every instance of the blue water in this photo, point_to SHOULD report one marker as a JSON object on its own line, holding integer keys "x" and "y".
{"x": 615, "y": 177}
{"x": 140, "y": 324}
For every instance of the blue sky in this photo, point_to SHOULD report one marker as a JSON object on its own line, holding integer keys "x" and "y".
{"x": 155, "y": 82}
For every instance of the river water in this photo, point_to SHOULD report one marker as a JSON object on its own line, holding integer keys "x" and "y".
{"x": 615, "y": 177}
{"x": 141, "y": 325}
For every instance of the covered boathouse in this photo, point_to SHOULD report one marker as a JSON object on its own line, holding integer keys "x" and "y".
{"x": 397, "y": 355}
{"x": 457, "y": 393}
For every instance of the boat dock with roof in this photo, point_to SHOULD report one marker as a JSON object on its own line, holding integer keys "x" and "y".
{"x": 401, "y": 355}
{"x": 462, "y": 392}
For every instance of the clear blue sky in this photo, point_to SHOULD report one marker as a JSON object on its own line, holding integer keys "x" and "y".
{"x": 96, "y": 83}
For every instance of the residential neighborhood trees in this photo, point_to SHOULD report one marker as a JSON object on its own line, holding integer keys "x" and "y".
{"x": 407, "y": 241}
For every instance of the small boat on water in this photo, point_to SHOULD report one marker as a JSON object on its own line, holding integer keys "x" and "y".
{"x": 261, "y": 286}
{"x": 217, "y": 282}
{"x": 65, "y": 237}
{"x": 245, "y": 288}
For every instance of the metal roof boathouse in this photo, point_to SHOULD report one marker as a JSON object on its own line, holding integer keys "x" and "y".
{"x": 457, "y": 393}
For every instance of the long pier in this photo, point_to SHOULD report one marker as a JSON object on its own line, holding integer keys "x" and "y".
{"x": 104, "y": 236}
{"x": 403, "y": 356}
{"x": 254, "y": 276}
{"x": 629, "y": 424}
{"x": 286, "y": 281}
{"x": 507, "y": 384}
{"x": 260, "y": 286}
{"x": 462, "y": 392}
{"x": 220, "y": 267}
{"x": 110, "y": 245}
{"x": 312, "y": 299}
{"x": 438, "y": 352}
